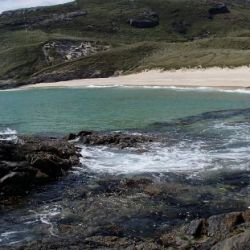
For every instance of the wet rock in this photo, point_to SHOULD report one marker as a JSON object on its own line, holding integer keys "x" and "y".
{"x": 120, "y": 140}
{"x": 48, "y": 164}
{"x": 33, "y": 161}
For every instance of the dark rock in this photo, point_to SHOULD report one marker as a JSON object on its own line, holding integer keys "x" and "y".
{"x": 44, "y": 18}
{"x": 147, "y": 19}
{"x": 33, "y": 161}
{"x": 220, "y": 8}
{"x": 146, "y": 23}
{"x": 48, "y": 164}
{"x": 220, "y": 232}
{"x": 120, "y": 140}
{"x": 181, "y": 26}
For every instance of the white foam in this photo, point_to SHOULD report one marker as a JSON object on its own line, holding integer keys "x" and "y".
{"x": 177, "y": 158}
{"x": 8, "y": 131}
{"x": 189, "y": 157}
{"x": 8, "y": 135}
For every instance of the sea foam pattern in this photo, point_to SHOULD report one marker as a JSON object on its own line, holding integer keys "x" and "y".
{"x": 8, "y": 135}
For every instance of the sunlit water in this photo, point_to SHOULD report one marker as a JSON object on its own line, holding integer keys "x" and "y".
{"x": 206, "y": 131}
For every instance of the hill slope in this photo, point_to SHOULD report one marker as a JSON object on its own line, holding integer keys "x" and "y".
{"x": 96, "y": 38}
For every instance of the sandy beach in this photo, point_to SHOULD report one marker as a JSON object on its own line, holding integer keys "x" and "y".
{"x": 211, "y": 77}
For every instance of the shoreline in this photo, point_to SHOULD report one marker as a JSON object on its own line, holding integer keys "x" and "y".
{"x": 215, "y": 77}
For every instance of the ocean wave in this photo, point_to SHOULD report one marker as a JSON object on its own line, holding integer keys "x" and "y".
{"x": 8, "y": 135}
{"x": 159, "y": 158}
{"x": 188, "y": 157}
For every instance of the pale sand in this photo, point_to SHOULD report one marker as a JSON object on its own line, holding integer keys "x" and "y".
{"x": 211, "y": 77}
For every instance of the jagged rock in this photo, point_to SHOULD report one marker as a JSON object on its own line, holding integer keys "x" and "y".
{"x": 237, "y": 242}
{"x": 219, "y": 232}
{"x": 196, "y": 228}
{"x": 31, "y": 161}
{"x": 66, "y": 50}
{"x": 119, "y": 140}
{"x": 15, "y": 18}
{"x": 59, "y": 18}
{"x": 221, "y": 225}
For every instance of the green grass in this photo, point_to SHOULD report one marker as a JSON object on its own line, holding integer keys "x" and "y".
{"x": 228, "y": 44}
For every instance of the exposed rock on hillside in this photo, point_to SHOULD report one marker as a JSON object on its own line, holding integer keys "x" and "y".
{"x": 67, "y": 17}
{"x": 181, "y": 26}
{"x": 220, "y": 8}
{"x": 147, "y": 19}
{"x": 61, "y": 51}
{"x": 28, "y": 19}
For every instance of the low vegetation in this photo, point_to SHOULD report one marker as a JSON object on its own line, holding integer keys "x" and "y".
{"x": 187, "y": 36}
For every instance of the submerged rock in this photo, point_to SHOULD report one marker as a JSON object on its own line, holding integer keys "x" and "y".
{"x": 120, "y": 140}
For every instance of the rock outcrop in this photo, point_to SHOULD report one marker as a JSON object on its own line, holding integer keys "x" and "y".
{"x": 67, "y": 50}
{"x": 181, "y": 26}
{"x": 31, "y": 161}
{"x": 40, "y": 17}
{"x": 220, "y": 8}
{"x": 147, "y": 19}
{"x": 119, "y": 140}
{"x": 237, "y": 237}
{"x": 219, "y": 232}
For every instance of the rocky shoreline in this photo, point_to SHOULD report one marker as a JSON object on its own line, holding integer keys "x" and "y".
{"x": 221, "y": 232}
{"x": 142, "y": 211}
{"x": 32, "y": 161}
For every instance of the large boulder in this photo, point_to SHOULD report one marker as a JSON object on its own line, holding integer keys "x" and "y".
{"x": 219, "y": 232}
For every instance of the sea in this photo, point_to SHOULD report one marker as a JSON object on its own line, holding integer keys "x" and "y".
{"x": 207, "y": 131}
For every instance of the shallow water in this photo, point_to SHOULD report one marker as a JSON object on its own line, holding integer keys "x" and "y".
{"x": 206, "y": 133}
{"x": 69, "y": 110}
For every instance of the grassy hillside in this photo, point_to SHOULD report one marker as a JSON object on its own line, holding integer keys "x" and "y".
{"x": 185, "y": 37}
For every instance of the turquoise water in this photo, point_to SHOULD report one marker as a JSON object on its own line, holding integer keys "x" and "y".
{"x": 204, "y": 133}
{"x": 71, "y": 110}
